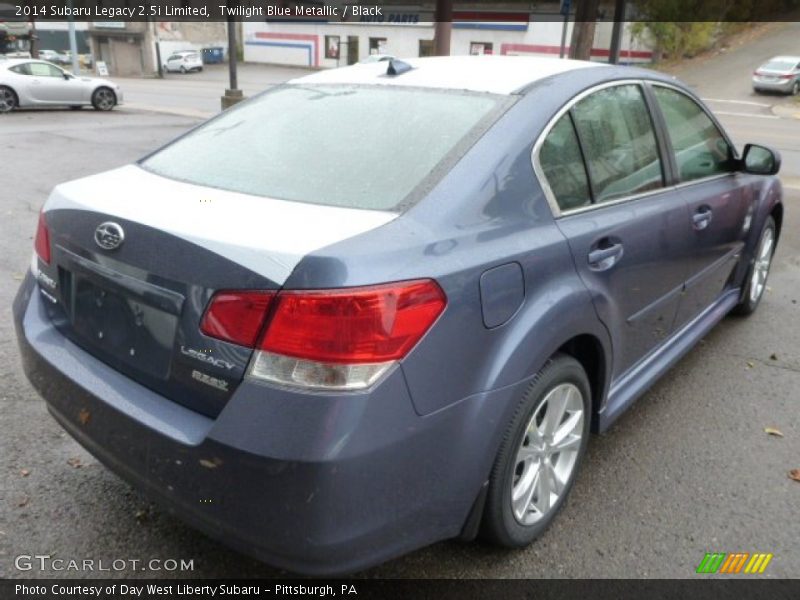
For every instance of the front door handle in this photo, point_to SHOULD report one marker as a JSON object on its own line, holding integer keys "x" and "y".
{"x": 702, "y": 218}
{"x": 605, "y": 257}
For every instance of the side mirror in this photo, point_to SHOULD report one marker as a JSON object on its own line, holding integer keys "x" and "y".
{"x": 67, "y": 76}
{"x": 760, "y": 160}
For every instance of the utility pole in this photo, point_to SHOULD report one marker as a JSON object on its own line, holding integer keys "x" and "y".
{"x": 616, "y": 32}
{"x": 564, "y": 10}
{"x": 233, "y": 94}
{"x": 443, "y": 27}
{"x": 73, "y": 44}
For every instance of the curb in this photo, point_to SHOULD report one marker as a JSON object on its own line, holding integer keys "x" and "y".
{"x": 786, "y": 112}
{"x": 178, "y": 112}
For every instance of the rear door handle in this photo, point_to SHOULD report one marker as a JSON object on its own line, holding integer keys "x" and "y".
{"x": 602, "y": 259}
{"x": 702, "y": 218}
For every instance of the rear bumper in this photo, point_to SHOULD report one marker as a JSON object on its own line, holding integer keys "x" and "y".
{"x": 311, "y": 483}
{"x": 773, "y": 86}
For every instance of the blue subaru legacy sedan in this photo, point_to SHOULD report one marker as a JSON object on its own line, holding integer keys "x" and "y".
{"x": 385, "y": 305}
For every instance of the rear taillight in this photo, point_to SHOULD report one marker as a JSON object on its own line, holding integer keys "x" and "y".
{"x": 341, "y": 339}
{"x": 237, "y": 317}
{"x": 42, "y": 241}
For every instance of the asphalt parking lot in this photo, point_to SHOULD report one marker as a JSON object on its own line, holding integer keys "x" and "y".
{"x": 688, "y": 470}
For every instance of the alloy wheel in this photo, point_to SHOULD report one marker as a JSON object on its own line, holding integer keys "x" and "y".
{"x": 104, "y": 99}
{"x": 546, "y": 459}
{"x": 7, "y": 100}
{"x": 761, "y": 266}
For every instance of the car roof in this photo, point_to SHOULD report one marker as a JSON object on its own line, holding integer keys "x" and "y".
{"x": 785, "y": 58}
{"x": 18, "y": 61}
{"x": 487, "y": 73}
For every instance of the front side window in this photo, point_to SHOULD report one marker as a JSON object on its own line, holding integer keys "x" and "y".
{"x": 45, "y": 70}
{"x": 700, "y": 148}
{"x": 562, "y": 165}
{"x": 618, "y": 141}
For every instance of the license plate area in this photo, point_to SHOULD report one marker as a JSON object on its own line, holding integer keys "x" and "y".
{"x": 120, "y": 318}
{"x": 125, "y": 328}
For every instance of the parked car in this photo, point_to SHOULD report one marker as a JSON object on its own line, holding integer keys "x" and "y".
{"x": 328, "y": 367}
{"x": 184, "y": 62}
{"x": 53, "y": 57}
{"x": 37, "y": 83}
{"x": 779, "y": 74}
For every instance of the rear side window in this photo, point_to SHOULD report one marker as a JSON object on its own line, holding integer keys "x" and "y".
{"x": 700, "y": 148}
{"x": 562, "y": 164}
{"x": 618, "y": 141}
{"x": 23, "y": 69}
{"x": 339, "y": 145}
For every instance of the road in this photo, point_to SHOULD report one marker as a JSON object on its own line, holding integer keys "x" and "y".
{"x": 688, "y": 470}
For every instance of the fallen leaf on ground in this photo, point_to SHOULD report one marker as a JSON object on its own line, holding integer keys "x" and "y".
{"x": 24, "y": 501}
{"x": 84, "y": 416}
{"x": 210, "y": 464}
{"x": 795, "y": 474}
{"x": 773, "y": 356}
{"x": 18, "y": 276}
{"x": 75, "y": 462}
{"x": 750, "y": 365}
{"x": 140, "y": 514}
{"x": 24, "y": 472}
{"x": 773, "y": 431}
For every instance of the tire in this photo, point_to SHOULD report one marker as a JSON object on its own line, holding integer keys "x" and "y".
{"x": 8, "y": 99}
{"x": 796, "y": 88}
{"x": 526, "y": 454}
{"x": 183, "y": 70}
{"x": 756, "y": 280}
{"x": 104, "y": 99}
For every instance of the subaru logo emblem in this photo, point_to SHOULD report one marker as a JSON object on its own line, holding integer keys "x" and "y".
{"x": 109, "y": 235}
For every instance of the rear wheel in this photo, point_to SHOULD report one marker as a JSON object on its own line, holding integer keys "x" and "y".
{"x": 104, "y": 99}
{"x": 8, "y": 99}
{"x": 756, "y": 281}
{"x": 540, "y": 455}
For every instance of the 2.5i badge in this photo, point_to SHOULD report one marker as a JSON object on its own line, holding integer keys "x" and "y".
{"x": 214, "y": 382}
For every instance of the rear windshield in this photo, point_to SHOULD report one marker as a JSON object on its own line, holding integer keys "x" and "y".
{"x": 779, "y": 65}
{"x": 352, "y": 146}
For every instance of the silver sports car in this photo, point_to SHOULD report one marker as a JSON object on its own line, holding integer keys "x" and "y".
{"x": 36, "y": 83}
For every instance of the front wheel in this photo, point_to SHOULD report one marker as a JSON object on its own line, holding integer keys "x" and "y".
{"x": 756, "y": 281}
{"x": 796, "y": 88}
{"x": 539, "y": 455}
{"x": 104, "y": 99}
{"x": 8, "y": 99}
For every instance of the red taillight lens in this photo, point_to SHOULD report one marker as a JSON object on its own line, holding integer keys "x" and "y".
{"x": 353, "y": 326}
{"x": 42, "y": 241}
{"x": 237, "y": 317}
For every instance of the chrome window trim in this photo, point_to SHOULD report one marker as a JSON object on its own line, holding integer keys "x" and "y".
{"x": 537, "y": 146}
{"x": 548, "y": 192}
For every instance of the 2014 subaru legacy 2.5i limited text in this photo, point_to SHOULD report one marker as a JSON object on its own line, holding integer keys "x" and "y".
{"x": 385, "y": 305}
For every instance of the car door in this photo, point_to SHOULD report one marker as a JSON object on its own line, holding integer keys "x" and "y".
{"x": 626, "y": 230}
{"x": 719, "y": 200}
{"x": 173, "y": 62}
{"x": 51, "y": 87}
